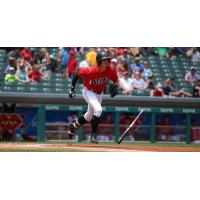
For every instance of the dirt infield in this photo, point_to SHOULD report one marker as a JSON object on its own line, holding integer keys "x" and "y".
{"x": 83, "y": 147}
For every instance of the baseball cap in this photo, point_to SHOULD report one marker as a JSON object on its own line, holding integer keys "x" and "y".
{"x": 114, "y": 60}
{"x": 137, "y": 58}
{"x": 72, "y": 53}
{"x": 159, "y": 85}
{"x": 192, "y": 68}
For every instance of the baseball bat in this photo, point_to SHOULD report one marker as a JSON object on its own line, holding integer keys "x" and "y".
{"x": 126, "y": 131}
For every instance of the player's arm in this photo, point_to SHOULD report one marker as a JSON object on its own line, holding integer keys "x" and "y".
{"x": 72, "y": 90}
{"x": 115, "y": 85}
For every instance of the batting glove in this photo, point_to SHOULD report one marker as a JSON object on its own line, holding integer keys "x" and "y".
{"x": 72, "y": 93}
{"x": 114, "y": 90}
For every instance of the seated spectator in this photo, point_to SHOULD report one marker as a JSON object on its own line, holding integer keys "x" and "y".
{"x": 195, "y": 56}
{"x": 21, "y": 74}
{"x": 10, "y": 76}
{"x": 91, "y": 56}
{"x": 127, "y": 57}
{"x": 35, "y": 59}
{"x": 45, "y": 64}
{"x": 35, "y": 74}
{"x": 157, "y": 91}
{"x": 166, "y": 88}
{"x": 12, "y": 63}
{"x": 181, "y": 50}
{"x": 114, "y": 62}
{"x": 138, "y": 83}
{"x": 26, "y": 54}
{"x": 72, "y": 65}
{"x": 147, "y": 71}
{"x": 83, "y": 64}
{"x": 14, "y": 53}
{"x": 122, "y": 67}
{"x": 150, "y": 83}
{"x": 196, "y": 89}
{"x": 161, "y": 52}
{"x": 125, "y": 83}
{"x": 191, "y": 76}
{"x": 175, "y": 91}
{"x": 145, "y": 51}
{"x": 137, "y": 66}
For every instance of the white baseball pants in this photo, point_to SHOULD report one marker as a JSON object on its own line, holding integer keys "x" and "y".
{"x": 94, "y": 104}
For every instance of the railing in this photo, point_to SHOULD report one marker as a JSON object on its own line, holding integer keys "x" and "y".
{"x": 118, "y": 104}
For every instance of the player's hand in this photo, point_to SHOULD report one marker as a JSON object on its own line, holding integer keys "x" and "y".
{"x": 113, "y": 90}
{"x": 72, "y": 93}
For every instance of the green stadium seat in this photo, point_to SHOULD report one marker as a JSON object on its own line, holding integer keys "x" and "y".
{"x": 44, "y": 84}
{"x": 44, "y": 90}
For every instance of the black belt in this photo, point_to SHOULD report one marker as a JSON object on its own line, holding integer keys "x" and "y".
{"x": 95, "y": 92}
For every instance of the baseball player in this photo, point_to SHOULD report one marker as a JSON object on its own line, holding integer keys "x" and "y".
{"x": 95, "y": 80}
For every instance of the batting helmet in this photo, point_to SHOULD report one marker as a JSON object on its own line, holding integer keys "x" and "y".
{"x": 102, "y": 56}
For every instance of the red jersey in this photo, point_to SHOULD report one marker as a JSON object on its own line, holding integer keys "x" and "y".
{"x": 26, "y": 54}
{"x": 157, "y": 93}
{"x": 35, "y": 75}
{"x": 72, "y": 66}
{"x": 95, "y": 80}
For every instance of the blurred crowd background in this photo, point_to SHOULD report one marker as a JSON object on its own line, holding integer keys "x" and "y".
{"x": 145, "y": 71}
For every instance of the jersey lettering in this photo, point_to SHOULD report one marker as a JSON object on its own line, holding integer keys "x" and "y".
{"x": 99, "y": 81}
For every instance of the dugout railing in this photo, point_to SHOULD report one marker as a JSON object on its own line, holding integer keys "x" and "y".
{"x": 132, "y": 104}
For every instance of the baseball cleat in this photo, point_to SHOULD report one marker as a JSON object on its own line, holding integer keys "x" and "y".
{"x": 93, "y": 139}
{"x": 72, "y": 129}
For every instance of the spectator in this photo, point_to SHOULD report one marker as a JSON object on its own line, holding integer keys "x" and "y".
{"x": 12, "y": 63}
{"x": 166, "y": 88}
{"x": 127, "y": 57}
{"x": 45, "y": 64}
{"x": 83, "y": 64}
{"x": 62, "y": 59}
{"x": 122, "y": 67}
{"x": 138, "y": 82}
{"x": 137, "y": 66}
{"x": 175, "y": 91}
{"x": 150, "y": 83}
{"x": 10, "y": 76}
{"x": 181, "y": 50}
{"x": 26, "y": 54}
{"x": 114, "y": 63}
{"x": 35, "y": 74}
{"x": 146, "y": 51}
{"x": 21, "y": 74}
{"x": 35, "y": 59}
{"x": 196, "y": 89}
{"x": 161, "y": 52}
{"x": 14, "y": 53}
{"x": 125, "y": 84}
{"x": 135, "y": 51}
{"x": 191, "y": 76}
{"x": 72, "y": 65}
{"x": 195, "y": 55}
{"x": 91, "y": 57}
{"x": 147, "y": 71}
{"x": 157, "y": 91}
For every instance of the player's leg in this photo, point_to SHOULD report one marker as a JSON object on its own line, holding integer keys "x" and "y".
{"x": 94, "y": 102}
{"x": 95, "y": 124}
{"x": 91, "y": 99}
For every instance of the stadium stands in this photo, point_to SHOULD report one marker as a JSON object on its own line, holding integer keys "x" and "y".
{"x": 163, "y": 68}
